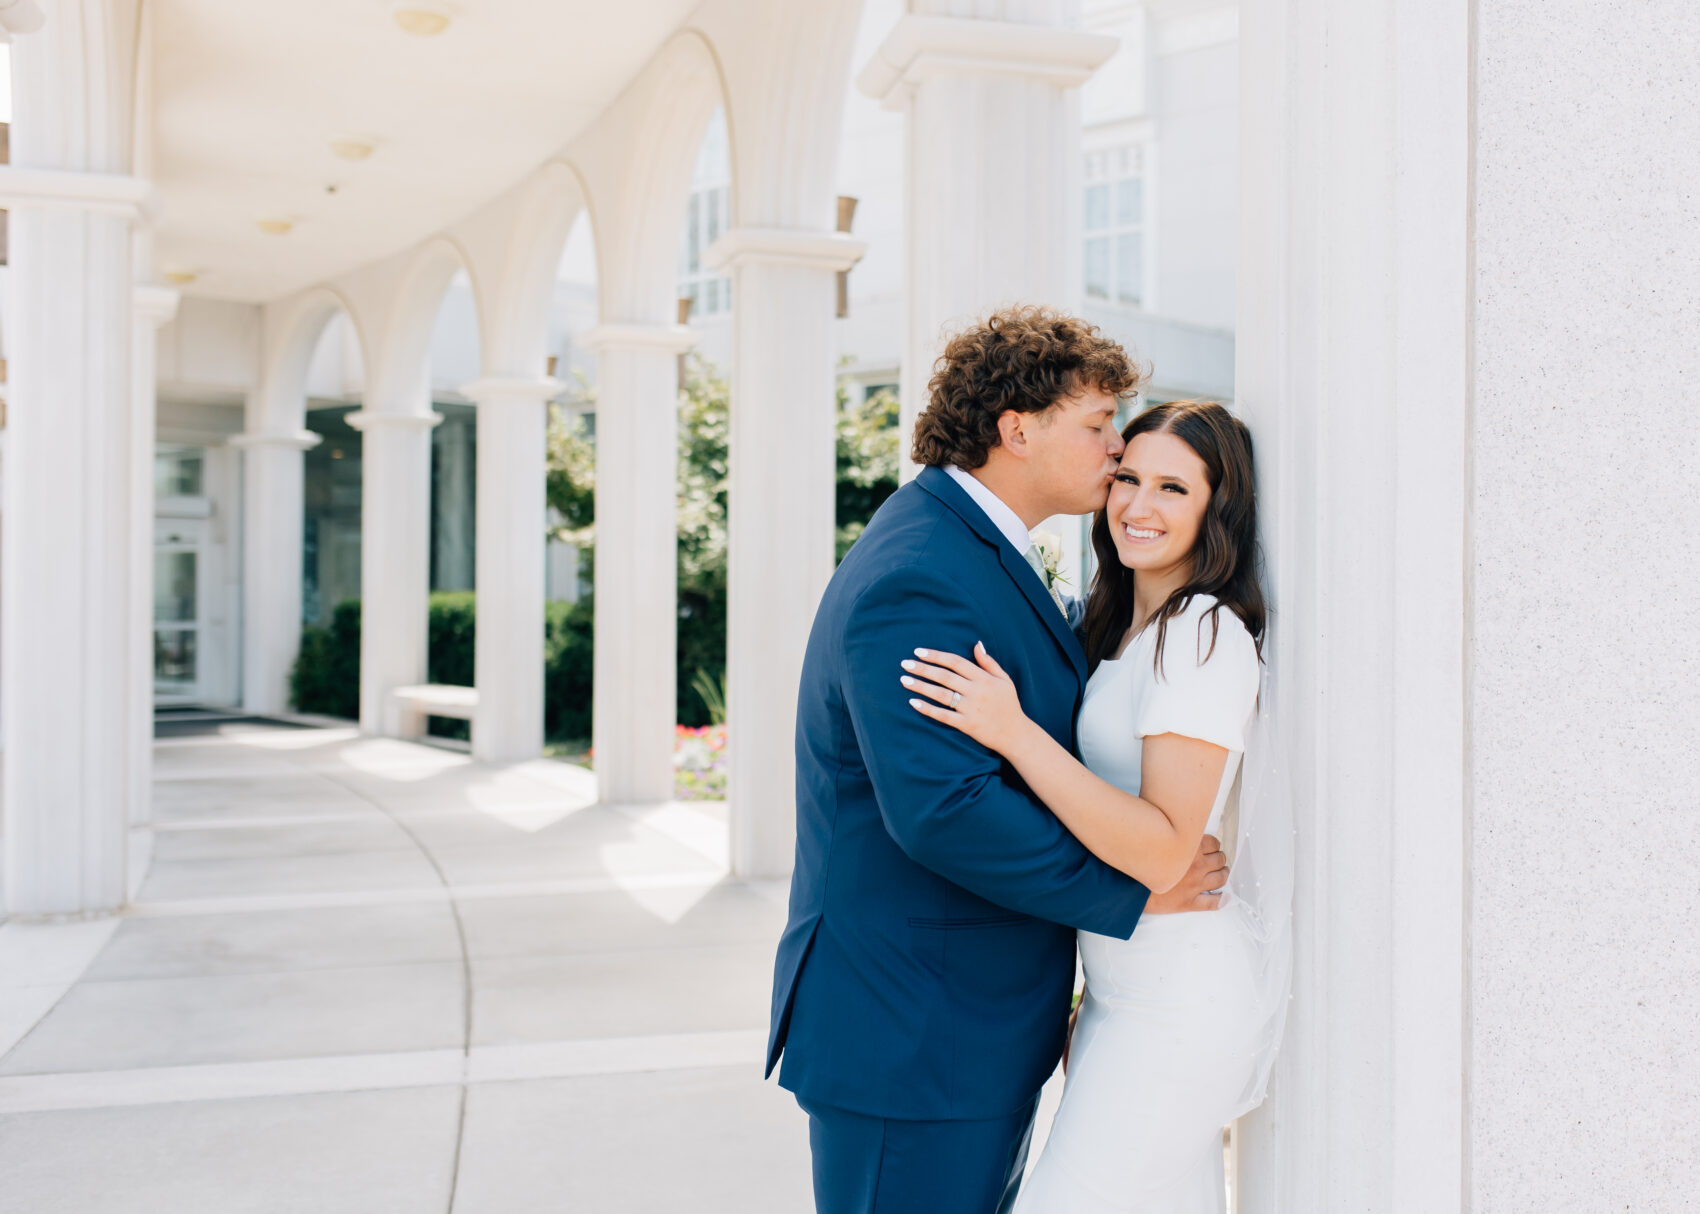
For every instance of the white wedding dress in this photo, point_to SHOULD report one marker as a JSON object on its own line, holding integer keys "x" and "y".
{"x": 1173, "y": 1020}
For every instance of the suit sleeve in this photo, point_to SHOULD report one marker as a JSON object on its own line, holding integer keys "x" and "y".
{"x": 942, "y": 795}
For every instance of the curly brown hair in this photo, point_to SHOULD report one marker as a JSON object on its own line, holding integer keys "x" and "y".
{"x": 1025, "y": 358}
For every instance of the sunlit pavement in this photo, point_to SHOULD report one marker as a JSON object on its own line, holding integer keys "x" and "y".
{"x": 366, "y": 975}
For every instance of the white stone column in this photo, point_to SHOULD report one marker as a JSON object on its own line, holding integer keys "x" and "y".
{"x": 991, "y": 165}
{"x": 1352, "y": 370}
{"x": 635, "y": 703}
{"x": 781, "y": 514}
{"x": 395, "y": 556}
{"x": 273, "y": 508}
{"x": 510, "y": 545}
{"x": 154, "y": 306}
{"x": 67, "y": 712}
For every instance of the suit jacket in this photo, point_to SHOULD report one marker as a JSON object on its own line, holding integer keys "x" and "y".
{"x": 927, "y": 966}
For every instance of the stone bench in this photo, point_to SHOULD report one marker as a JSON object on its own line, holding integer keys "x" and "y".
{"x": 409, "y": 706}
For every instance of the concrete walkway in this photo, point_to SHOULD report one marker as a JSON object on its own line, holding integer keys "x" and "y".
{"x": 364, "y": 975}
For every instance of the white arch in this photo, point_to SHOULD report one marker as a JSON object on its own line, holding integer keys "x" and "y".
{"x": 401, "y": 375}
{"x": 673, "y": 103}
{"x": 785, "y": 89}
{"x": 548, "y": 206}
{"x": 299, "y": 323}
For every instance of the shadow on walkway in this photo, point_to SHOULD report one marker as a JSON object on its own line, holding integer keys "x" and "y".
{"x": 367, "y": 975}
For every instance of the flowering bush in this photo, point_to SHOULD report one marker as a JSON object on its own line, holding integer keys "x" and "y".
{"x": 699, "y": 763}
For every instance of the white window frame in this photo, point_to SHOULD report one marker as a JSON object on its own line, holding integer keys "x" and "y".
{"x": 1106, "y": 161}
{"x": 708, "y": 213}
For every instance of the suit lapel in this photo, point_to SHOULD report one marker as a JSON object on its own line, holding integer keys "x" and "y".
{"x": 936, "y": 482}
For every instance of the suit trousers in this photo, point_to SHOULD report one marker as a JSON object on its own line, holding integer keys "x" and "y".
{"x": 884, "y": 1165}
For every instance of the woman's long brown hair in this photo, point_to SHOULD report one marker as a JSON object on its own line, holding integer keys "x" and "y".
{"x": 1225, "y": 554}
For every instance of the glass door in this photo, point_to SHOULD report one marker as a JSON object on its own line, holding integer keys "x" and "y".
{"x": 176, "y": 608}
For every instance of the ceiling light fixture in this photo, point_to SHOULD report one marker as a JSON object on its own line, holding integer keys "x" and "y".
{"x": 275, "y": 227}
{"x": 422, "y": 22}
{"x": 353, "y": 148}
{"x": 180, "y": 278}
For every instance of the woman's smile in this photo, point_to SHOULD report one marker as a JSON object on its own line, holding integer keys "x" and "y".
{"x": 1157, "y": 503}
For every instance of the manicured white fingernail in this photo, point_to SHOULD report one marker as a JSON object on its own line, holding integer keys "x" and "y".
{"x": 915, "y": 704}
{"x": 907, "y": 681}
{"x": 907, "y": 664}
{"x": 923, "y": 653}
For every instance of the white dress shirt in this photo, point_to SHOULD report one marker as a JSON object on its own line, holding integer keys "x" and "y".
{"x": 1003, "y": 518}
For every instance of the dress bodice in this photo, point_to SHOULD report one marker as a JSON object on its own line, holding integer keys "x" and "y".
{"x": 1207, "y": 689}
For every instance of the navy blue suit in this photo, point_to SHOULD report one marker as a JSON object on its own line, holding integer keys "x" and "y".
{"x": 925, "y": 973}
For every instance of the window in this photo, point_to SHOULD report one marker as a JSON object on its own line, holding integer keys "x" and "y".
{"x": 707, "y": 216}
{"x": 1114, "y": 227}
{"x": 177, "y": 470}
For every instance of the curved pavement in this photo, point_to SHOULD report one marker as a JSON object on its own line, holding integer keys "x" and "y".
{"x": 367, "y": 975}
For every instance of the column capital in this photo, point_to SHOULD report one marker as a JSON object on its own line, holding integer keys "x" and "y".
{"x": 496, "y": 389}
{"x": 21, "y": 17}
{"x": 920, "y": 47}
{"x": 661, "y": 339}
{"x": 156, "y": 305}
{"x": 288, "y": 440}
{"x": 102, "y": 193}
{"x": 366, "y": 419}
{"x": 820, "y": 250}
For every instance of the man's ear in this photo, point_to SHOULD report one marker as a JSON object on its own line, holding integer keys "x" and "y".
{"x": 1012, "y": 432}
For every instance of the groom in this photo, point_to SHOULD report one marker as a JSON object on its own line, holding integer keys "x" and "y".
{"x": 922, "y": 987}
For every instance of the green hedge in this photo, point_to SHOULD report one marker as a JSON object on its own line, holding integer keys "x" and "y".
{"x": 326, "y": 677}
{"x": 702, "y": 646}
{"x": 568, "y": 658}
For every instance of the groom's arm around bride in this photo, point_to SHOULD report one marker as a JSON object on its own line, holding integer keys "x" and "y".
{"x": 952, "y": 805}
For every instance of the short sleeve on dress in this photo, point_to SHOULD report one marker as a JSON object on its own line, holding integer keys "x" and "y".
{"x": 1208, "y": 694}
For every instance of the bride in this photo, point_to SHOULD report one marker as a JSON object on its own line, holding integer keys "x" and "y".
{"x": 1179, "y": 1024}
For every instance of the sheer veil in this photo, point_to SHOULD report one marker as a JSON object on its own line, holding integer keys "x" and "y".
{"x": 1259, "y": 830}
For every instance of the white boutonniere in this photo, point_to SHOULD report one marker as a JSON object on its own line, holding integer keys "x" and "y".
{"x": 1049, "y": 545}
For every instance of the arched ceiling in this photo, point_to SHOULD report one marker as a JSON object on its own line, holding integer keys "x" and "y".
{"x": 250, "y": 97}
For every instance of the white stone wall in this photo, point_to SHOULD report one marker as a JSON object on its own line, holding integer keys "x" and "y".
{"x": 454, "y": 340}
{"x": 1173, "y": 85}
{"x": 337, "y": 370}
{"x": 1193, "y": 177}
{"x": 1584, "y": 663}
{"x": 211, "y": 345}
{"x": 870, "y": 168}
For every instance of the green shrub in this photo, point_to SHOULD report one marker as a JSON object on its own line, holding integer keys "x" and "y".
{"x": 326, "y": 677}
{"x": 702, "y": 646}
{"x": 452, "y": 619}
{"x": 450, "y": 622}
{"x": 867, "y": 461}
{"x": 568, "y": 657}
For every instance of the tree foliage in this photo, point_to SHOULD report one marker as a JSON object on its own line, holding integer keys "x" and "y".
{"x": 867, "y": 462}
{"x": 867, "y": 470}
{"x": 326, "y": 676}
{"x": 570, "y": 483}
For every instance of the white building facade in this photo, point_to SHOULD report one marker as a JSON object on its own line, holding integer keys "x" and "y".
{"x": 1462, "y": 358}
